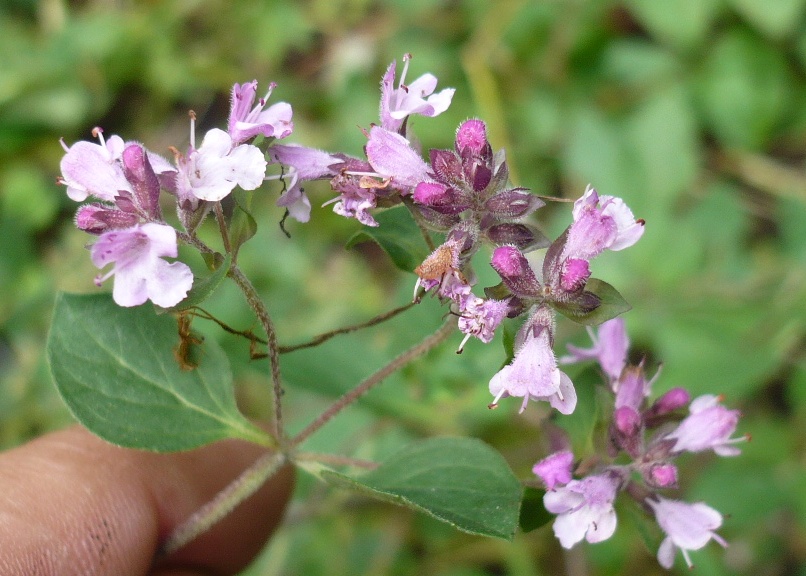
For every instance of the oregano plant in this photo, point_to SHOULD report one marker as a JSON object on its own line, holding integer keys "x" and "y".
{"x": 132, "y": 370}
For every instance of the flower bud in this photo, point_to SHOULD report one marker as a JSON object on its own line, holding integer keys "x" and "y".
{"x": 471, "y": 137}
{"x": 555, "y": 469}
{"x": 515, "y": 271}
{"x": 143, "y": 179}
{"x": 98, "y": 218}
{"x": 440, "y": 197}
{"x": 672, "y": 400}
{"x": 574, "y": 275}
{"x": 661, "y": 475}
{"x": 627, "y": 420}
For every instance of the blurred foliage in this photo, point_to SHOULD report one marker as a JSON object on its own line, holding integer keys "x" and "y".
{"x": 692, "y": 110}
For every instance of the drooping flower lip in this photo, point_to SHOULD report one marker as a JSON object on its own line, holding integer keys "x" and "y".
{"x": 533, "y": 372}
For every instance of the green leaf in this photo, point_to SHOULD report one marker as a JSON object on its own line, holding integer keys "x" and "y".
{"x": 398, "y": 235}
{"x": 461, "y": 481}
{"x": 611, "y": 304}
{"x": 204, "y": 287}
{"x": 533, "y": 514}
{"x": 242, "y": 225}
{"x": 116, "y": 371}
{"x": 581, "y": 424}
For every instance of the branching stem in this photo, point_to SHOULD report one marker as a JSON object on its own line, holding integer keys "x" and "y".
{"x": 225, "y": 501}
{"x": 396, "y": 364}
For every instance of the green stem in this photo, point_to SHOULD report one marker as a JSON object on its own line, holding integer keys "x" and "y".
{"x": 396, "y": 364}
{"x": 225, "y": 501}
{"x": 263, "y": 316}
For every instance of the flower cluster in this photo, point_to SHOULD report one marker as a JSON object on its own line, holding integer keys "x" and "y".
{"x": 650, "y": 436}
{"x": 125, "y": 180}
{"x": 599, "y": 223}
{"x": 464, "y": 194}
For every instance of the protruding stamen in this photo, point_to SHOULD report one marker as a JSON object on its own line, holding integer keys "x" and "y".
{"x": 192, "y": 115}
{"x": 462, "y": 345}
{"x": 416, "y": 288}
{"x": 406, "y": 59}
{"x": 98, "y": 133}
{"x": 265, "y": 99}
{"x": 494, "y": 404}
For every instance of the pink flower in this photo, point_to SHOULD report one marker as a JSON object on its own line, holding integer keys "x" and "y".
{"x": 415, "y": 98}
{"x": 601, "y": 222}
{"x": 140, "y": 272}
{"x": 480, "y": 317}
{"x": 584, "y": 508}
{"x": 687, "y": 527}
{"x": 94, "y": 169}
{"x": 610, "y": 346}
{"x": 555, "y": 469}
{"x": 247, "y": 121}
{"x": 302, "y": 163}
{"x": 708, "y": 426}
{"x": 391, "y": 156}
{"x": 533, "y": 373}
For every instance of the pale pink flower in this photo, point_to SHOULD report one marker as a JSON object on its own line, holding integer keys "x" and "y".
{"x": 247, "y": 119}
{"x": 415, "y": 98}
{"x": 687, "y": 527}
{"x": 708, "y": 426}
{"x": 213, "y": 170}
{"x": 90, "y": 169}
{"x": 533, "y": 372}
{"x": 584, "y": 508}
{"x": 610, "y": 346}
{"x": 140, "y": 272}
{"x": 555, "y": 469}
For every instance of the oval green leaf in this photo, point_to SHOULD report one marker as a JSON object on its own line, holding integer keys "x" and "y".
{"x": 611, "y": 304}
{"x": 398, "y": 235}
{"x": 460, "y": 481}
{"x": 115, "y": 369}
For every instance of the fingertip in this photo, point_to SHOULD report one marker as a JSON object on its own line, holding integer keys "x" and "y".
{"x": 74, "y": 501}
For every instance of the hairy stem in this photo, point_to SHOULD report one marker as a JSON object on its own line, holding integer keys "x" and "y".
{"x": 271, "y": 334}
{"x": 396, "y": 364}
{"x": 225, "y": 501}
{"x": 222, "y": 227}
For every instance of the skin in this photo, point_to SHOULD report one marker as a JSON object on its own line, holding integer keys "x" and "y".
{"x": 71, "y": 503}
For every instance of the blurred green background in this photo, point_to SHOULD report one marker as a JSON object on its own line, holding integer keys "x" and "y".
{"x": 694, "y": 111}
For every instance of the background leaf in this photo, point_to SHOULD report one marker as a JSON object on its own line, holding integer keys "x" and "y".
{"x": 116, "y": 371}
{"x": 533, "y": 513}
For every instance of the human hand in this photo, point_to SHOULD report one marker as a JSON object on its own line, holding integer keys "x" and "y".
{"x": 73, "y": 504}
